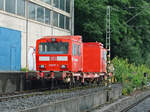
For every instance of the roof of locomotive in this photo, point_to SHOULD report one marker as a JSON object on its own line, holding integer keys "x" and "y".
{"x": 93, "y": 44}
{"x": 76, "y": 37}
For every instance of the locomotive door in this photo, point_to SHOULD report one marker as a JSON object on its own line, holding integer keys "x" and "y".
{"x": 75, "y": 56}
{"x": 79, "y": 57}
{"x": 13, "y": 58}
{"x": 102, "y": 58}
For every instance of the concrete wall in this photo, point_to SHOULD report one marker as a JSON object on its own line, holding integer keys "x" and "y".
{"x": 78, "y": 104}
{"x": 11, "y": 81}
{"x": 115, "y": 93}
{"x": 123, "y": 104}
{"x": 35, "y": 30}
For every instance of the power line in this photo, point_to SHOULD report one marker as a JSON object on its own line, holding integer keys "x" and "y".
{"x": 134, "y": 17}
{"x": 143, "y": 8}
{"x": 128, "y": 8}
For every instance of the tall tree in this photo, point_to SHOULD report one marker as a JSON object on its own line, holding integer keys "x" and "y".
{"x": 130, "y": 26}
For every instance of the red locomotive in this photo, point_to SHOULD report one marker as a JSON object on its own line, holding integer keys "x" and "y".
{"x": 68, "y": 59}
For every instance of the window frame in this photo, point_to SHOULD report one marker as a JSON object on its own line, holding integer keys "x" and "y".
{"x": 74, "y": 49}
{"x": 56, "y": 24}
{"x": 61, "y": 15}
{"x": 49, "y": 22}
{"x": 79, "y": 50}
{"x": 22, "y": 13}
{"x": 60, "y": 2}
{"x": 50, "y": 2}
{"x": 2, "y": 8}
{"x": 56, "y": 5}
{"x": 37, "y": 18}
{"x": 8, "y": 9}
{"x": 44, "y": 49}
{"x": 68, "y": 8}
{"x": 34, "y": 7}
{"x": 67, "y": 23}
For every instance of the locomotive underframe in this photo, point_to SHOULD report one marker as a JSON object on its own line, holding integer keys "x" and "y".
{"x": 60, "y": 79}
{"x": 68, "y": 77}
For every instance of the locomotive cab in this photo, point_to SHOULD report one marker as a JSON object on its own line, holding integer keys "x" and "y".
{"x": 59, "y": 54}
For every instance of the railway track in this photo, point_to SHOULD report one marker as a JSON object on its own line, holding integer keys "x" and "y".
{"x": 24, "y": 102}
{"x": 134, "y": 105}
{"x": 46, "y": 91}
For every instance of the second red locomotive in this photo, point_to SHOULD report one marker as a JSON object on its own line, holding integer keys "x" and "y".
{"x": 68, "y": 59}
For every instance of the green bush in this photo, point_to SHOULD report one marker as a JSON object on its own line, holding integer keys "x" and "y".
{"x": 130, "y": 75}
{"x": 24, "y": 69}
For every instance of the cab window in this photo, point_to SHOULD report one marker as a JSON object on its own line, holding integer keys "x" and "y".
{"x": 74, "y": 50}
{"x": 54, "y": 48}
{"x": 79, "y": 50}
{"x": 105, "y": 55}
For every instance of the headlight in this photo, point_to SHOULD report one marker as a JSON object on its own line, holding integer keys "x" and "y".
{"x": 42, "y": 66}
{"x": 63, "y": 66}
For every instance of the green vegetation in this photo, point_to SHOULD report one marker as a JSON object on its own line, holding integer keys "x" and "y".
{"x": 129, "y": 39}
{"x": 25, "y": 69}
{"x": 130, "y": 35}
{"x": 130, "y": 75}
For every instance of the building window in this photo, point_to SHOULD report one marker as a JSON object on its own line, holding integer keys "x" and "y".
{"x": 56, "y": 3}
{"x": 32, "y": 9}
{"x": 21, "y": 7}
{"x": 13, "y": 6}
{"x": 67, "y": 23}
{"x": 55, "y": 19}
{"x": 62, "y": 4}
{"x": 68, "y": 6}
{"x": 10, "y": 6}
{"x": 1, "y": 4}
{"x": 40, "y": 14}
{"x": 47, "y": 1}
{"x": 61, "y": 21}
{"x": 47, "y": 16}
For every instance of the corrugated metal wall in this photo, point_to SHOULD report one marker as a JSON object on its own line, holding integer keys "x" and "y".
{"x": 10, "y": 50}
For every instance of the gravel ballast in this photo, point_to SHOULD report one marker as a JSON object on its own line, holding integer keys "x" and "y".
{"x": 15, "y": 105}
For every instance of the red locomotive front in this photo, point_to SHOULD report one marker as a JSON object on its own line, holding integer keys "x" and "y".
{"x": 59, "y": 53}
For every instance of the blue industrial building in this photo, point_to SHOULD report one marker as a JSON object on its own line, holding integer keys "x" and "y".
{"x": 10, "y": 49}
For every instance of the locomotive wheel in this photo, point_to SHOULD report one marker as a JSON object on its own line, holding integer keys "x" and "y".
{"x": 35, "y": 84}
{"x": 28, "y": 85}
{"x": 52, "y": 83}
{"x": 43, "y": 85}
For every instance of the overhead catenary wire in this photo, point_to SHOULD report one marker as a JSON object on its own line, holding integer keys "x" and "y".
{"x": 132, "y": 18}
{"x": 143, "y": 8}
{"x": 108, "y": 24}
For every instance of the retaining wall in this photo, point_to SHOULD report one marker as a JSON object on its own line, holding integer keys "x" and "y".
{"x": 81, "y": 103}
{"x": 12, "y": 81}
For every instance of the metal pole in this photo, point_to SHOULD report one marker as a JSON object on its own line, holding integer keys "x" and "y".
{"x": 51, "y": 19}
{"x": 108, "y": 42}
{"x": 108, "y": 34}
{"x": 72, "y": 16}
{"x": 27, "y": 33}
